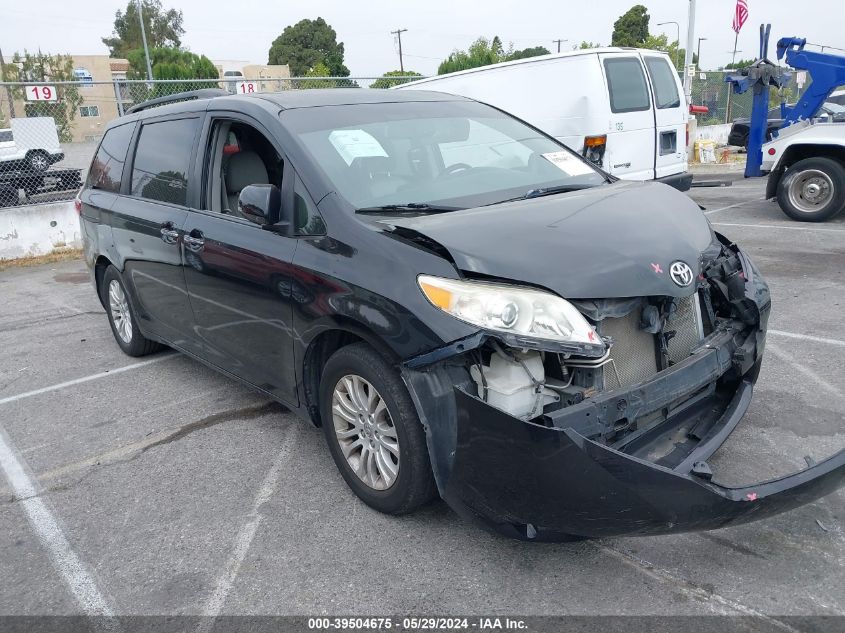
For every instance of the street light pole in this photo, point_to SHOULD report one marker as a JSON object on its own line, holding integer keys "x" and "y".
{"x": 698, "y": 51}
{"x": 677, "y": 39}
{"x": 144, "y": 40}
{"x": 688, "y": 56}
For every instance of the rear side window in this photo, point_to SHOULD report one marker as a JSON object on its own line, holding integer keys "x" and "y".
{"x": 6, "y": 136}
{"x": 107, "y": 167}
{"x": 626, "y": 85}
{"x": 162, "y": 161}
{"x": 663, "y": 79}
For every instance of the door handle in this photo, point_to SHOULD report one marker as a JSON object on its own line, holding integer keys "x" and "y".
{"x": 169, "y": 235}
{"x": 194, "y": 242}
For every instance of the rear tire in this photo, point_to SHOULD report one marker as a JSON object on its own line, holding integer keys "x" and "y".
{"x": 379, "y": 447}
{"x": 812, "y": 190}
{"x": 122, "y": 317}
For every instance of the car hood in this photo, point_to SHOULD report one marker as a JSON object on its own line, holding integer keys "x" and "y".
{"x": 610, "y": 241}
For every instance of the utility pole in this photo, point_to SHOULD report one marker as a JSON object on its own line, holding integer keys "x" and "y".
{"x": 698, "y": 52}
{"x": 688, "y": 54}
{"x": 558, "y": 42}
{"x": 144, "y": 40}
{"x": 8, "y": 87}
{"x": 398, "y": 33}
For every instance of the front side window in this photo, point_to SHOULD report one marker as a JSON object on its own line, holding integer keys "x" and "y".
{"x": 626, "y": 85}
{"x": 106, "y": 169}
{"x": 663, "y": 79}
{"x": 6, "y": 136}
{"x": 447, "y": 153}
{"x": 163, "y": 160}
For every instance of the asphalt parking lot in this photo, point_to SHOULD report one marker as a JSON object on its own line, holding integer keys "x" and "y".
{"x": 160, "y": 487}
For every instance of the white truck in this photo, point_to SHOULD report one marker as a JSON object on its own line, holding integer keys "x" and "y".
{"x": 622, "y": 108}
{"x": 31, "y": 144}
{"x": 806, "y": 168}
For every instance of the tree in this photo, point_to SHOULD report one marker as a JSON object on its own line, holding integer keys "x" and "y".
{"x": 528, "y": 52}
{"x": 171, "y": 63}
{"x": 742, "y": 63}
{"x": 631, "y": 29}
{"x": 661, "y": 43}
{"x": 40, "y": 67}
{"x": 163, "y": 28}
{"x": 584, "y": 45}
{"x": 385, "y": 82}
{"x": 306, "y": 44}
{"x": 481, "y": 52}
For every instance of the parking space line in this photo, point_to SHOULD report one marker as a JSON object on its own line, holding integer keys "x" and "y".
{"x": 733, "y": 206}
{"x": 781, "y": 226}
{"x": 64, "y": 559}
{"x": 803, "y": 369}
{"x": 245, "y": 535}
{"x": 79, "y": 381}
{"x": 807, "y": 337}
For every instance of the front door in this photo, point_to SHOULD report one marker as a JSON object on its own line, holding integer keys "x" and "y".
{"x": 237, "y": 274}
{"x": 148, "y": 224}
{"x": 630, "y": 142}
{"x": 670, "y": 115}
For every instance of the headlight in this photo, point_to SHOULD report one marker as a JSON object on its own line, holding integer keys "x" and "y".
{"x": 521, "y": 315}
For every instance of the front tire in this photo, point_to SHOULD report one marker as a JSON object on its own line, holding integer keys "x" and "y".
{"x": 124, "y": 323}
{"x": 38, "y": 161}
{"x": 812, "y": 190}
{"x": 373, "y": 431}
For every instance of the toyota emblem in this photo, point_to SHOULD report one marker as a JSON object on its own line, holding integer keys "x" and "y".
{"x": 681, "y": 273}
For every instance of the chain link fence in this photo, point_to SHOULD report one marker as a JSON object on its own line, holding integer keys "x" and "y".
{"x": 709, "y": 89}
{"x": 49, "y": 131}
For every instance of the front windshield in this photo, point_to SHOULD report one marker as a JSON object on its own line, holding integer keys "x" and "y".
{"x": 455, "y": 154}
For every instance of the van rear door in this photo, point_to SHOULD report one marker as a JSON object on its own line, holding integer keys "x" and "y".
{"x": 631, "y": 139}
{"x": 670, "y": 116}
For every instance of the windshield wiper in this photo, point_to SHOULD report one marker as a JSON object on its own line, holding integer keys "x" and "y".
{"x": 549, "y": 191}
{"x": 410, "y": 206}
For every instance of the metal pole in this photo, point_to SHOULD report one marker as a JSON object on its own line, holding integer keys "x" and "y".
{"x": 698, "y": 52}
{"x": 398, "y": 33}
{"x": 688, "y": 52}
{"x": 559, "y": 42}
{"x": 8, "y": 87}
{"x": 730, "y": 89}
{"x": 678, "y": 39}
{"x": 144, "y": 40}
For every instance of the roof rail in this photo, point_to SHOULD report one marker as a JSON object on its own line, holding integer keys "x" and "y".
{"x": 204, "y": 93}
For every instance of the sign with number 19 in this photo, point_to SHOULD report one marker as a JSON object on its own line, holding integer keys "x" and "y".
{"x": 41, "y": 93}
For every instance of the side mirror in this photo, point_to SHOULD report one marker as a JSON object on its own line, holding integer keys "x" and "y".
{"x": 261, "y": 204}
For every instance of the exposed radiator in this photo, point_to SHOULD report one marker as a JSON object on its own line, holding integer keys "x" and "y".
{"x": 634, "y": 351}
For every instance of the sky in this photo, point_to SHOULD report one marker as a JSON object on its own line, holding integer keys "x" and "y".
{"x": 244, "y": 30}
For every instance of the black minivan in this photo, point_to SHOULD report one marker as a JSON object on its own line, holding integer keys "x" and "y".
{"x": 464, "y": 305}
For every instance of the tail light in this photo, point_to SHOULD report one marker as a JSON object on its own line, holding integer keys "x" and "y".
{"x": 77, "y": 203}
{"x": 594, "y": 147}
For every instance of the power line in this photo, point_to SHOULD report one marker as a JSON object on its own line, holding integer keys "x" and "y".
{"x": 398, "y": 33}
{"x": 558, "y": 42}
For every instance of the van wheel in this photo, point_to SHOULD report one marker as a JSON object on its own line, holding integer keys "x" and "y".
{"x": 373, "y": 432}
{"x": 38, "y": 161}
{"x": 812, "y": 190}
{"x": 124, "y": 324}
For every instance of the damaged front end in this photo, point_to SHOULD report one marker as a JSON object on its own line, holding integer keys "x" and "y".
{"x": 547, "y": 444}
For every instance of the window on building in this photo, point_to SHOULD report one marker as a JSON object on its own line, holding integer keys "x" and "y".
{"x": 83, "y": 76}
{"x": 89, "y": 111}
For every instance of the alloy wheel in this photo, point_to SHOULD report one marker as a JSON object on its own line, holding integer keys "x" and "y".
{"x": 365, "y": 432}
{"x": 119, "y": 308}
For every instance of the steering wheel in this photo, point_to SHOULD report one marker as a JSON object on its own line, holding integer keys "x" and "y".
{"x": 454, "y": 169}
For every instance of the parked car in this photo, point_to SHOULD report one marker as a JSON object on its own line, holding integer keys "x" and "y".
{"x": 837, "y": 97}
{"x": 464, "y": 305}
{"x": 622, "y": 108}
{"x": 30, "y": 144}
{"x": 740, "y": 128}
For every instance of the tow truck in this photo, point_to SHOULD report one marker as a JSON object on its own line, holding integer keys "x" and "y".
{"x": 805, "y": 160}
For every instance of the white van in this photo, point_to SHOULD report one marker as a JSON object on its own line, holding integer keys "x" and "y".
{"x": 623, "y": 108}
{"x": 31, "y": 143}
